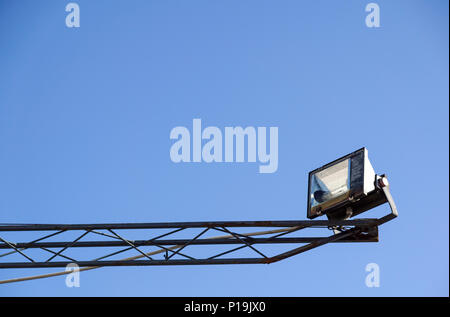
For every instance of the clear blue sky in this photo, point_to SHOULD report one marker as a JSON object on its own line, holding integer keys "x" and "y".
{"x": 85, "y": 116}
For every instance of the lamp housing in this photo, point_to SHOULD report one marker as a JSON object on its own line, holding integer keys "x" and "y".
{"x": 344, "y": 188}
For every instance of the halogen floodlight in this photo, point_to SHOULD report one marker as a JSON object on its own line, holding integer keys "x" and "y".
{"x": 344, "y": 188}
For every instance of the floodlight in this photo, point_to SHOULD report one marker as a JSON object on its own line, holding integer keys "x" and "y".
{"x": 344, "y": 188}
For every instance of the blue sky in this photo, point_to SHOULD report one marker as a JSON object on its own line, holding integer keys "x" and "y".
{"x": 85, "y": 117}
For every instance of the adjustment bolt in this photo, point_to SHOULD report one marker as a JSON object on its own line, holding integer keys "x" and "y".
{"x": 383, "y": 182}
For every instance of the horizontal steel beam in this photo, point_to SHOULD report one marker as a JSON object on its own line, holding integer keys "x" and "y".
{"x": 23, "y": 265}
{"x": 212, "y": 224}
{"x": 138, "y": 243}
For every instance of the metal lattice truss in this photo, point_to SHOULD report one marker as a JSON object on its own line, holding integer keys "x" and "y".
{"x": 180, "y": 242}
{"x": 173, "y": 251}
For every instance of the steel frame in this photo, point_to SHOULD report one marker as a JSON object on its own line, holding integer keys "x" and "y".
{"x": 357, "y": 230}
{"x": 351, "y": 231}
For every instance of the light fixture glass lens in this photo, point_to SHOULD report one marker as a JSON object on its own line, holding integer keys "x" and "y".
{"x": 331, "y": 185}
